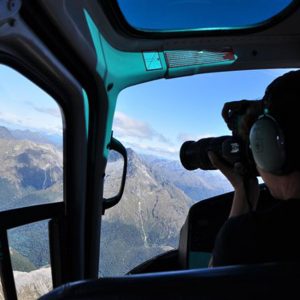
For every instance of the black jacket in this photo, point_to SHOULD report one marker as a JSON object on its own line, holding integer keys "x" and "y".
{"x": 259, "y": 237}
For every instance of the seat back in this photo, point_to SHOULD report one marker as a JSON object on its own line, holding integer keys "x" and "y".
{"x": 270, "y": 281}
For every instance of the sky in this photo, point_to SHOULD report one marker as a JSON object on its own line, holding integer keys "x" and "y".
{"x": 192, "y": 14}
{"x": 23, "y": 105}
{"x": 158, "y": 116}
{"x": 153, "y": 118}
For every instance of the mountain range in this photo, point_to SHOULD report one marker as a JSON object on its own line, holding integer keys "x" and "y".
{"x": 146, "y": 222}
{"x": 34, "y": 136}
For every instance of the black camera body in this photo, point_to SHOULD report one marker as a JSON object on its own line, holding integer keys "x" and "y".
{"x": 232, "y": 149}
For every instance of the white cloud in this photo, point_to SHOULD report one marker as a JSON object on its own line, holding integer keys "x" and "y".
{"x": 124, "y": 126}
{"x": 27, "y": 122}
{"x": 166, "y": 152}
{"x": 141, "y": 137}
{"x": 54, "y": 112}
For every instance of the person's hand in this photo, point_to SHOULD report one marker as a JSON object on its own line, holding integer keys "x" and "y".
{"x": 231, "y": 173}
{"x": 246, "y": 188}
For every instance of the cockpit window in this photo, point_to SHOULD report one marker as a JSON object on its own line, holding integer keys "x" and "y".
{"x": 153, "y": 120}
{"x": 31, "y": 174}
{"x": 185, "y": 15}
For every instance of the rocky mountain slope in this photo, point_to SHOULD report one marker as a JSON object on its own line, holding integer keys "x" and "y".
{"x": 146, "y": 222}
{"x": 197, "y": 185}
{"x": 28, "y": 172}
{"x": 154, "y": 206}
{"x": 32, "y": 285}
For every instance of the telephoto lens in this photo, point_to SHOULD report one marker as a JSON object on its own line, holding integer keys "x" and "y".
{"x": 194, "y": 155}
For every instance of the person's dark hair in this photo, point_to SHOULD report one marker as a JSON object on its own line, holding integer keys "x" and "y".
{"x": 282, "y": 99}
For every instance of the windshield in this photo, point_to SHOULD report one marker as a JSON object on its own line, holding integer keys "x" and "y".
{"x": 153, "y": 120}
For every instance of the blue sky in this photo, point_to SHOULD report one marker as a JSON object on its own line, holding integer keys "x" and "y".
{"x": 157, "y": 117}
{"x": 192, "y": 14}
{"x": 154, "y": 118}
{"x": 23, "y": 105}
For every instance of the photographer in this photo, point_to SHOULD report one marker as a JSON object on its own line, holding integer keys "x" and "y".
{"x": 251, "y": 236}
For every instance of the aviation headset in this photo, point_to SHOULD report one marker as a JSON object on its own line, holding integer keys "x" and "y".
{"x": 275, "y": 149}
{"x": 267, "y": 143}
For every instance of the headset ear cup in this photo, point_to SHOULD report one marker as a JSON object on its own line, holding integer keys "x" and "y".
{"x": 267, "y": 145}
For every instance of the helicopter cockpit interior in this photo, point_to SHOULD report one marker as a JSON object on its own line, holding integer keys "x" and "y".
{"x": 98, "y": 202}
